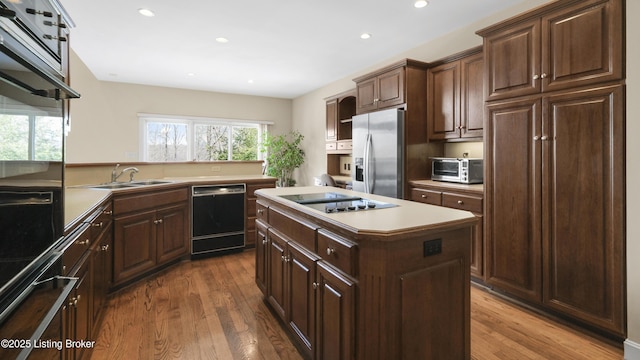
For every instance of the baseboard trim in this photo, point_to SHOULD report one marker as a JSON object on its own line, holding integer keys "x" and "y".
{"x": 631, "y": 350}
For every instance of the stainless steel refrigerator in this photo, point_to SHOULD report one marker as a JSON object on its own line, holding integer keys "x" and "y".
{"x": 378, "y": 147}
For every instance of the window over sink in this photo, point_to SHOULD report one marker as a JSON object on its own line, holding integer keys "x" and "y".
{"x": 181, "y": 138}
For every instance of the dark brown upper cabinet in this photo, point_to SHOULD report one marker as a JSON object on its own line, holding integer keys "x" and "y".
{"x": 389, "y": 87}
{"x": 572, "y": 43}
{"x": 455, "y": 99}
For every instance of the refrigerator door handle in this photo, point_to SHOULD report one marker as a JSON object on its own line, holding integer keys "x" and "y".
{"x": 367, "y": 165}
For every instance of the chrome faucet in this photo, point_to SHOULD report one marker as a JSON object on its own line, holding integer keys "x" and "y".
{"x": 115, "y": 177}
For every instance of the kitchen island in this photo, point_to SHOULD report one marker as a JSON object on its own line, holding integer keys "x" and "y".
{"x": 354, "y": 281}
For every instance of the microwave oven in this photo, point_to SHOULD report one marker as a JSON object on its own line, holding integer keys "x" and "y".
{"x": 458, "y": 170}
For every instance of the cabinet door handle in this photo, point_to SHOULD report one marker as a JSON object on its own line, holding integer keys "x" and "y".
{"x": 536, "y": 138}
{"x": 544, "y": 138}
{"x": 159, "y": 221}
{"x": 543, "y": 75}
{"x": 536, "y": 77}
{"x": 105, "y": 247}
{"x": 315, "y": 285}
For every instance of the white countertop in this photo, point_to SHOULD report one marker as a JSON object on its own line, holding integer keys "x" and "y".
{"x": 407, "y": 216}
{"x": 81, "y": 199}
{"x": 78, "y": 202}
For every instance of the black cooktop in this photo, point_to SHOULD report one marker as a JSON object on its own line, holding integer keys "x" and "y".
{"x": 319, "y": 198}
{"x": 335, "y": 202}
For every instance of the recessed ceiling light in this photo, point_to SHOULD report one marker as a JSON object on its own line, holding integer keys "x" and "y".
{"x": 250, "y": 81}
{"x": 365, "y": 36}
{"x": 191, "y": 74}
{"x": 420, "y": 3}
{"x": 146, "y": 12}
{"x": 222, "y": 40}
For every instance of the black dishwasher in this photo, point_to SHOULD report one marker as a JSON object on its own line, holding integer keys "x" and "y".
{"x": 218, "y": 216}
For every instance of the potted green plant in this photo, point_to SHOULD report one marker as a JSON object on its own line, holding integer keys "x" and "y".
{"x": 283, "y": 156}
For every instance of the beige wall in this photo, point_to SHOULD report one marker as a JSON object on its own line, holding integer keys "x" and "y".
{"x": 104, "y": 122}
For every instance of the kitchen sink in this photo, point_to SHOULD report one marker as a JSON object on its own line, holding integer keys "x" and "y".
{"x": 127, "y": 185}
{"x": 148, "y": 182}
{"x": 112, "y": 186}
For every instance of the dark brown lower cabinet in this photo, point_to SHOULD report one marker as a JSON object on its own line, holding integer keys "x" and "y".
{"x": 276, "y": 275}
{"x": 335, "y": 314}
{"x": 261, "y": 254}
{"x": 385, "y": 299}
{"x": 79, "y": 308}
{"x": 314, "y": 299}
{"x": 134, "y": 245}
{"x": 151, "y": 229}
{"x": 301, "y": 276}
{"x": 555, "y": 194}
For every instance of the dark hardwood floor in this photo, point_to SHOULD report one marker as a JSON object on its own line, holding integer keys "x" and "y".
{"x": 212, "y": 309}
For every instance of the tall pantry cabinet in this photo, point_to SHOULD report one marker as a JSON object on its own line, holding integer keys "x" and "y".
{"x": 554, "y": 160}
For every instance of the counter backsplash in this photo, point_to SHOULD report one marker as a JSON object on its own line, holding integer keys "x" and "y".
{"x": 81, "y": 174}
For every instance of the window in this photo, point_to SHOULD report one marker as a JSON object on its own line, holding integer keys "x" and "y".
{"x": 30, "y": 137}
{"x": 167, "y": 139}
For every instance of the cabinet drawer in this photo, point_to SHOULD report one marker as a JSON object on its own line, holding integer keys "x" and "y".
{"x": 102, "y": 220}
{"x": 426, "y": 196}
{"x": 79, "y": 244}
{"x": 331, "y": 146}
{"x": 148, "y": 200}
{"x": 462, "y": 202}
{"x": 338, "y": 251}
{"x": 251, "y": 188}
{"x": 261, "y": 211}
{"x": 345, "y": 145}
{"x": 299, "y": 230}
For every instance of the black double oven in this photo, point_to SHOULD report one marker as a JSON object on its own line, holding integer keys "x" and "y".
{"x": 33, "y": 108}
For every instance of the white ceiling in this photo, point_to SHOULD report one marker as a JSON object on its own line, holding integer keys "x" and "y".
{"x": 286, "y": 47}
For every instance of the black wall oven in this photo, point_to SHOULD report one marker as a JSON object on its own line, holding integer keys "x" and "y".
{"x": 33, "y": 95}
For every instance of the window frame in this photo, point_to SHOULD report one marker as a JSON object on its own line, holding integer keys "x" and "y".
{"x": 191, "y": 122}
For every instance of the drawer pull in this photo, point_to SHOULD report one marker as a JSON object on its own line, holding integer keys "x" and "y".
{"x": 424, "y": 196}
{"x": 460, "y": 202}
{"x": 105, "y": 247}
{"x": 97, "y": 224}
{"x": 331, "y": 251}
{"x": 260, "y": 211}
{"x": 108, "y": 212}
{"x": 80, "y": 242}
{"x": 159, "y": 221}
{"x": 264, "y": 240}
